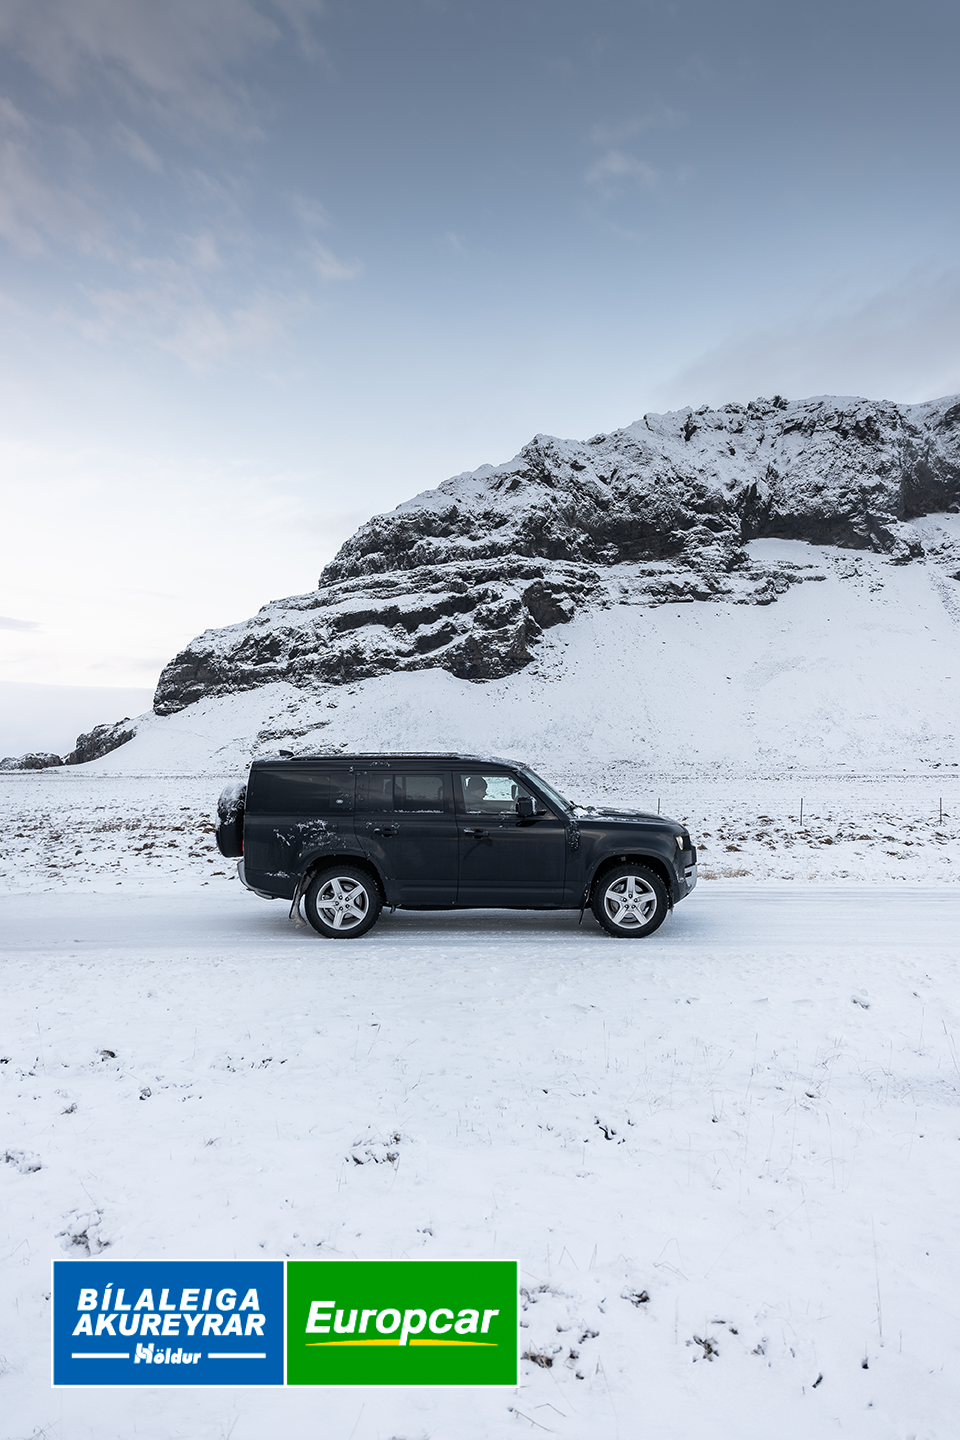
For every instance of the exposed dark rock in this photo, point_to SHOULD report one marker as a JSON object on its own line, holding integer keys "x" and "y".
{"x": 100, "y": 741}
{"x": 473, "y": 619}
{"x": 35, "y": 760}
{"x": 468, "y": 576}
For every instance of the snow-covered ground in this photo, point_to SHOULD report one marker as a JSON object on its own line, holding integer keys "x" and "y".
{"x": 752, "y": 1118}
{"x": 727, "y": 1157}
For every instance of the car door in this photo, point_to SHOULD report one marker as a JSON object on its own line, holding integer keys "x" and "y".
{"x": 406, "y": 823}
{"x": 505, "y": 859}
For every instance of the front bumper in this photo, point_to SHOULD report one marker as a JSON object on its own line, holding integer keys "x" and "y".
{"x": 690, "y": 876}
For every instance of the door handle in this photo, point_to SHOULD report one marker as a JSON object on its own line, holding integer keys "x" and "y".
{"x": 385, "y": 830}
{"x": 477, "y": 833}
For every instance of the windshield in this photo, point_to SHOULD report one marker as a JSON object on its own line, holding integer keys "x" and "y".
{"x": 549, "y": 791}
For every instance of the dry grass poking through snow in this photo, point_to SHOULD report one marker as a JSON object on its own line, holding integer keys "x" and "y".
{"x": 79, "y": 830}
{"x": 881, "y": 845}
{"x": 873, "y": 828}
{"x": 99, "y": 832}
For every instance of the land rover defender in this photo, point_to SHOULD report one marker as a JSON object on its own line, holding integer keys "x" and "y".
{"x": 349, "y": 834}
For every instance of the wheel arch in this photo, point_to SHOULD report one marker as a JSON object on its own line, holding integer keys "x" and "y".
{"x": 316, "y": 863}
{"x": 626, "y": 857}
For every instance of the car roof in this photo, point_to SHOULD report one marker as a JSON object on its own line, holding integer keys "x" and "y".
{"x": 388, "y": 757}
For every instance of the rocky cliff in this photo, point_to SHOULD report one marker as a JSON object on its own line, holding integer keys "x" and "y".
{"x": 91, "y": 746}
{"x": 466, "y": 577}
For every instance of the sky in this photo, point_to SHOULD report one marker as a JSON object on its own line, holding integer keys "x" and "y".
{"x": 268, "y": 267}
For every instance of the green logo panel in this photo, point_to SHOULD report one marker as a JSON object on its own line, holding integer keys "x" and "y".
{"x": 402, "y": 1322}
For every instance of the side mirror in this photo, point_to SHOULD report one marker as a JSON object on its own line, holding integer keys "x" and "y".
{"x": 528, "y": 809}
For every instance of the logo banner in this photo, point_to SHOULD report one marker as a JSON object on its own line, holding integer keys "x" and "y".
{"x": 168, "y": 1322}
{"x": 293, "y": 1322}
{"x": 402, "y": 1322}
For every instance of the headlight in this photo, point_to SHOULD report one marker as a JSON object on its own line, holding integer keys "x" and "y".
{"x": 681, "y": 841}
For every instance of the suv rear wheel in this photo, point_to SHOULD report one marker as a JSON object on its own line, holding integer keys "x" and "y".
{"x": 342, "y": 903}
{"x": 630, "y": 901}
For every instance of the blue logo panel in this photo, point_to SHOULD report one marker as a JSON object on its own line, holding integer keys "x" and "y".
{"x": 168, "y": 1322}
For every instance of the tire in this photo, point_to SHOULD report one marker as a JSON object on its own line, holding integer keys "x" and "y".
{"x": 342, "y": 903}
{"x": 630, "y": 901}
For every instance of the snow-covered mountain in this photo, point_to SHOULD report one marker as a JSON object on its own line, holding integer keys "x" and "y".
{"x": 467, "y": 577}
{"x": 855, "y": 671}
{"x": 617, "y": 597}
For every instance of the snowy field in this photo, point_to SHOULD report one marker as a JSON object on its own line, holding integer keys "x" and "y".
{"x": 727, "y": 1157}
{"x": 86, "y": 831}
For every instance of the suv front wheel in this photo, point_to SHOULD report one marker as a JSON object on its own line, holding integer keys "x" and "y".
{"x": 342, "y": 903}
{"x": 630, "y": 901}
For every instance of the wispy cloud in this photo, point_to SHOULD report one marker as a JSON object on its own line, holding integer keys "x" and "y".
{"x": 898, "y": 344}
{"x": 34, "y": 209}
{"x": 172, "y": 311}
{"x": 309, "y": 211}
{"x": 614, "y": 169}
{"x": 179, "y": 91}
{"x": 201, "y": 252}
{"x": 8, "y": 623}
{"x": 618, "y": 132}
{"x": 11, "y": 117}
{"x": 329, "y": 267}
{"x": 303, "y": 16}
{"x": 134, "y": 145}
{"x": 180, "y": 59}
{"x": 617, "y": 169}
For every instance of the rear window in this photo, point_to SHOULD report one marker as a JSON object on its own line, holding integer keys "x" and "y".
{"x": 301, "y": 792}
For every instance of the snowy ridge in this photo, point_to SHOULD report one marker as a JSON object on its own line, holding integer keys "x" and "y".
{"x": 690, "y": 485}
{"x": 857, "y": 672}
{"x": 466, "y": 578}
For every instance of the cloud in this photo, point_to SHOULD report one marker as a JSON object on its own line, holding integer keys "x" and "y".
{"x": 11, "y": 117}
{"x": 201, "y": 251}
{"x": 620, "y": 131}
{"x": 32, "y": 209}
{"x": 189, "y": 68}
{"x": 176, "y": 315}
{"x": 8, "y": 623}
{"x": 898, "y": 344}
{"x": 309, "y": 211}
{"x": 302, "y": 17}
{"x": 329, "y": 267}
{"x": 137, "y": 148}
{"x": 180, "y": 58}
{"x": 615, "y": 167}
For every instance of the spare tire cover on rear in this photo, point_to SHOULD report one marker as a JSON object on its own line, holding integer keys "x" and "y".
{"x": 230, "y": 819}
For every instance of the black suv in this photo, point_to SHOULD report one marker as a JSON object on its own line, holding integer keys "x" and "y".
{"x": 350, "y": 834}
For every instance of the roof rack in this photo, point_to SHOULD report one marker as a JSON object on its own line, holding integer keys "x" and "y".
{"x": 383, "y": 756}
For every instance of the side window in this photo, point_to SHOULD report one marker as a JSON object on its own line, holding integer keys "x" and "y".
{"x": 410, "y": 792}
{"x": 377, "y": 792}
{"x": 302, "y": 792}
{"x": 418, "y": 793}
{"x": 487, "y": 793}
